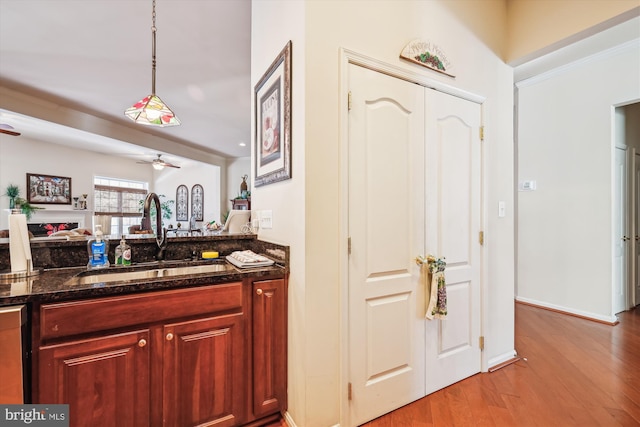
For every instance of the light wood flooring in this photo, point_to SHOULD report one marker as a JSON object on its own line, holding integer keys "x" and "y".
{"x": 573, "y": 372}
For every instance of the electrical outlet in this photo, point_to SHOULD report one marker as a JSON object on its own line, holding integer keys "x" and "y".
{"x": 266, "y": 219}
{"x": 527, "y": 186}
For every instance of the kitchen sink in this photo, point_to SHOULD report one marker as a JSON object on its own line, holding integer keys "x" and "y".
{"x": 146, "y": 271}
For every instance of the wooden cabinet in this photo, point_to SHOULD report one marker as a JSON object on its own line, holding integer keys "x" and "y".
{"x": 269, "y": 347}
{"x": 204, "y": 379}
{"x": 211, "y": 355}
{"x": 104, "y": 380}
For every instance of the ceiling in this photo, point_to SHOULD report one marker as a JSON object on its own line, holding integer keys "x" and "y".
{"x": 95, "y": 56}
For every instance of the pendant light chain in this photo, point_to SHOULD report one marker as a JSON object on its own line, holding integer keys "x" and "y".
{"x": 153, "y": 49}
{"x": 151, "y": 110}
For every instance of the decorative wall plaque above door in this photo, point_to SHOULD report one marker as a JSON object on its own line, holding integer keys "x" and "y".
{"x": 427, "y": 54}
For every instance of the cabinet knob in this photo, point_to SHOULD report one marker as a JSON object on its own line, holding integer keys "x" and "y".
{"x": 169, "y": 336}
{"x": 259, "y": 291}
{"x": 142, "y": 342}
{"x": 625, "y": 238}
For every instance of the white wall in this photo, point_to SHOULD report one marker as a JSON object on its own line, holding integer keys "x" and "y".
{"x": 307, "y": 209}
{"x": 287, "y": 198}
{"x": 167, "y": 181}
{"x": 21, "y": 155}
{"x": 565, "y": 143}
{"x": 236, "y": 169}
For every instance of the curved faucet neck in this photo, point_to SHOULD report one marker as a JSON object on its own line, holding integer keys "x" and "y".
{"x": 161, "y": 234}
{"x": 146, "y": 215}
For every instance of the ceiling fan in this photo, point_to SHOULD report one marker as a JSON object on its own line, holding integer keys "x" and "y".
{"x": 158, "y": 163}
{"x": 8, "y": 129}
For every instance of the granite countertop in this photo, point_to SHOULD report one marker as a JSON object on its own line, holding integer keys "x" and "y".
{"x": 58, "y": 284}
{"x": 62, "y": 262}
{"x": 61, "y": 241}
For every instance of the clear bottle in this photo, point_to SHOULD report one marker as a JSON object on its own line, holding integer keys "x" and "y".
{"x": 98, "y": 249}
{"x": 123, "y": 253}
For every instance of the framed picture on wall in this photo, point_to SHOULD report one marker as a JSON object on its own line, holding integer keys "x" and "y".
{"x": 48, "y": 189}
{"x": 273, "y": 121}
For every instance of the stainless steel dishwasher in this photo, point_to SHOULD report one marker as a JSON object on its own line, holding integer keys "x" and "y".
{"x": 12, "y": 353}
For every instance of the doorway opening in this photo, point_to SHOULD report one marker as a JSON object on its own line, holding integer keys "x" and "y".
{"x": 626, "y": 224}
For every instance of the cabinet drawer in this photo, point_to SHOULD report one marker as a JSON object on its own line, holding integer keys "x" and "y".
{"x": 80, "y": 317}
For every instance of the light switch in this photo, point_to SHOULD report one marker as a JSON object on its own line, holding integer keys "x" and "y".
{"x": 527, "y": 186}
{"x": 501, "y": 210}
{"x": 266, "y": 219}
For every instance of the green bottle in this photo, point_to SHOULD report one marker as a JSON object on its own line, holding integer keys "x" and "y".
{"x": 123, "y": 253}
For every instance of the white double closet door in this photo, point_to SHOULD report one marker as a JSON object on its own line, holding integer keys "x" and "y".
{"x": 414, "y": 189}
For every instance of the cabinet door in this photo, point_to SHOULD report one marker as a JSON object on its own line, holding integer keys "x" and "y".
{"x": 269, "y": 347}
{"x": 104, "y": 380}
{"x": 204, "y": 379}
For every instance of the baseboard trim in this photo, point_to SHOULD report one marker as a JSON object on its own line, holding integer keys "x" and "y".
{"x": 611, "y": 321}
{"x": 290, "y": 423}
{"x": 501, "y": 359}
{"x": 503, "y": 364}
{"x": 288, "y": 420}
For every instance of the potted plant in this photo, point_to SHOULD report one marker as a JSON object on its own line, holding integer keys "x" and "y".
{"x": 15, "y": 201}
{"x": 12, "y": 192}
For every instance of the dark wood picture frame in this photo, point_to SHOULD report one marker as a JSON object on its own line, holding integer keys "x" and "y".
{"x": 48, "y": 189}
{"x": 272, "y": 121}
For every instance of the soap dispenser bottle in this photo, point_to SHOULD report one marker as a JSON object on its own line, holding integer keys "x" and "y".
{"x": 123, "y": 253}
{"x": 98, "y": 249}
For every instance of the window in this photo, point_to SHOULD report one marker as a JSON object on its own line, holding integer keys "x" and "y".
{"x": 121, "y": 199}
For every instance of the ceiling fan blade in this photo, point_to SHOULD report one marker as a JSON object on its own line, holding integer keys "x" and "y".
{"x": 9, "y": 132}
{"x": 158, "y": 162}
{"x": 8, "y": 129}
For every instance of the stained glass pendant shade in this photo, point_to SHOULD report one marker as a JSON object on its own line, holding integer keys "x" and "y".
{"x": 151, "y": 110}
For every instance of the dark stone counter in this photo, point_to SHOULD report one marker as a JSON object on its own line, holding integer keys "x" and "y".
{"x": 61, "y": 260}
{"x": 57, "y": 284}
{"x": 60, "y": 252}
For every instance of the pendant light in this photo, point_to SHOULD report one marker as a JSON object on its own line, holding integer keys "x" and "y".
{"x": 151, "y": 110}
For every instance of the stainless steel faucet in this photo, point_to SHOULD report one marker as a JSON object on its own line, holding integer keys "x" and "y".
{"x": 161, "y": 233}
